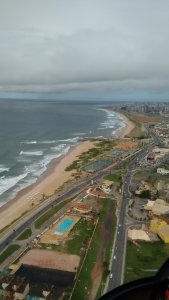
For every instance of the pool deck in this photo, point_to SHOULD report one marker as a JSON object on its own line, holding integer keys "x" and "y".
{"x": 50, "y": 236}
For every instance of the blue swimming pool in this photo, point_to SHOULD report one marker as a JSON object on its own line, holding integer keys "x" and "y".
{"x": 65, "y": 225}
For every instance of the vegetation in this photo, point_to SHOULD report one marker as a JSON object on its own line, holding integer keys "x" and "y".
{"x": 78, "y": 240}
{"x": 113, "y": 177}
{"x": 8, "y": 251}
{"x": 143, "y": 260}
{"x": 145, "y": 194}
{"x": 39, "y": 222}
{"x": 95, "y": 152}
{"x": 25, "y": 235}
{"x": 106, "y": 144}
{"x": 138, "y": 131}
{"x": 75, "y": 165}
{"x": 84, "y": 282}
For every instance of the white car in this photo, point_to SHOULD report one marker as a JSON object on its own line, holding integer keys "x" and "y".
{"x": 111, "y": 275}
{"x": 114, "y": 256}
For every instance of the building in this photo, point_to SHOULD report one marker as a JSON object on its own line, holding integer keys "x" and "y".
{"x": 159, "y": 153}
{"x": 156, "y": 224}
{"x": 158, "y": 207}
{"x": 82, "y": 208}
{"x": 151, "y": 158}
{"x": 162, "y": 171}
{"x": 163, "y": 233}
{"x": 144, "y": 186}
{"x": 16, "y": 289}
{"x": 107, "y": 186}
{"x": 51, "y": 260}
{"x": 149, "y": 205}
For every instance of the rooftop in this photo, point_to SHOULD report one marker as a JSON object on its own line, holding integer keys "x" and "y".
{"x": 163, "y": 231}
{"x": 51, "y": 260}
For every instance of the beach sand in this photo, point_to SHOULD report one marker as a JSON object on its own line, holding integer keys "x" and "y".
{"x": 124, "y": 131}
{"x": 129, "y": 126}
{"x": 54, "y": 177}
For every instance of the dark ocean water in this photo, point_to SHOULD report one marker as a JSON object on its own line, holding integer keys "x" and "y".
{"x": 32, "y": 133}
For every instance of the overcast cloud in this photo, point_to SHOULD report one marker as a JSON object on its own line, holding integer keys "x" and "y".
{"x": 89, "y": 48}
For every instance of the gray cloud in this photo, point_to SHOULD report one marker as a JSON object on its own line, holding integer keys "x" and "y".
{"x": 84, "y": 47}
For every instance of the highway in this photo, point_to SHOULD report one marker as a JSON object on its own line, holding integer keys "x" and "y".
{"x": 25, "y": 222}
{"x": 118, "y": 253}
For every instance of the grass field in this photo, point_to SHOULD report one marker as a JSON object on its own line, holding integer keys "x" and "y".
{"x": 143, "y": 261}
{"x": 25, "y": 234}
{"x": 138, "y": 131}
{"x": 113, "y": 177}
{"x": 8, "y": 251}
{"x": 84, "y": 282}
{"x": 93, "y": 153}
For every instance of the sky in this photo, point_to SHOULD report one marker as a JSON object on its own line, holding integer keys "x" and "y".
{"x": 90, "y": 49}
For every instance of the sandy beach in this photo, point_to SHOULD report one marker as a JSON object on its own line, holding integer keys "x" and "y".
{"x": 48, "y": 183}
{"x": 54, "y": 177}
{"x": 123, "y": 131}
{"x": 128, "y": 128}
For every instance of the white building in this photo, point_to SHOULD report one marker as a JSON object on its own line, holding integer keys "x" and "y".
{"x": 162, "y": 171}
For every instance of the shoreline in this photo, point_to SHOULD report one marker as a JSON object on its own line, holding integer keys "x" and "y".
{"x": 50, "y": 180}
{"x": 123, "y": 131}
{"x": 53, "y": 178}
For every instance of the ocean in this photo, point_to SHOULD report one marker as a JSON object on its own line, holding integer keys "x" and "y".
{"x": 32, "y": 133}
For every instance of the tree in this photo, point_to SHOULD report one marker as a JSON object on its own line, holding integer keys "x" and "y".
{"x": 145, "y": 194}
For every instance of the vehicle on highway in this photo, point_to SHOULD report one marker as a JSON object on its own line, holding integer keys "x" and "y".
{"x": 111, "y": 275}
{"x": 114, "y": 257}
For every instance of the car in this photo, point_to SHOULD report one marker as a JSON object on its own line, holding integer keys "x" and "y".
{"x": 114, "y": 256}
{"x": 111, "y": 275}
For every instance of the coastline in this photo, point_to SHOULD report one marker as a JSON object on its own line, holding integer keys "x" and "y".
{"x": 53, "y": 178}
{"x": 125, "y": 130}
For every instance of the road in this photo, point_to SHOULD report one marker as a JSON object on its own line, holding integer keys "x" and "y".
{"x": 118, "y": 259}
{"x": 34, "y": 215}
{"x": 25, "y": 222}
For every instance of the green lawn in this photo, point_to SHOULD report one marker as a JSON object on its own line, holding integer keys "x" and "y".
{"x": 8, "y": 251}
{"x": 138, "y": 131}
{"x": 148, "y": 256}
{"x": 84, "y": 282}
{"x": 25, "y": 234}
{"x": 113, "y": 177}
{"x": 79, "y": 238}
{"x": 39, "y": 222}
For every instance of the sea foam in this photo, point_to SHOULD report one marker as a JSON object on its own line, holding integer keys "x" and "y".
{"x": 3, "y": 169}
{"x": 9, "y": 182}
{"x": 31, "y": 153}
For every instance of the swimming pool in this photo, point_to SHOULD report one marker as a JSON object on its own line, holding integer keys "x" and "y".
{"x": 65, "y": 225}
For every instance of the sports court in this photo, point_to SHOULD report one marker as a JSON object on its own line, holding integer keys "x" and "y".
{"x": 59, "y": 230}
